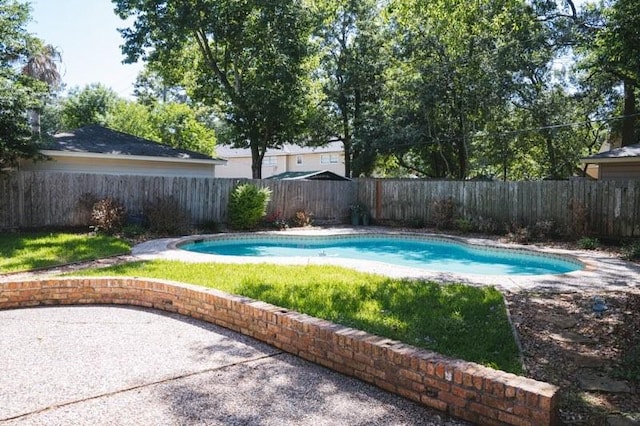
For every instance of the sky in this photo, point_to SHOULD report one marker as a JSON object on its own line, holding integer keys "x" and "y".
{"x": 85, "y": 31}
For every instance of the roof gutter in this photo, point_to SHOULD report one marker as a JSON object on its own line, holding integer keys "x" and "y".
{"x": 610, "y": 160}
{"x": 54, "y": 153}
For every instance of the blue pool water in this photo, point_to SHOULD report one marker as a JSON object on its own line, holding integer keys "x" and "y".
{"x": 431, "y": 255}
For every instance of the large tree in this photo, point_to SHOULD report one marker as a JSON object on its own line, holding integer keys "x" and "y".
{"x": 611, "y": 49}
{"x": 246, "y": 56}
{"x": 89, "y": 105}
{"x": 350, "y": 39}
{"x": 42, "y": 65}
{"x": 18, "y": 92}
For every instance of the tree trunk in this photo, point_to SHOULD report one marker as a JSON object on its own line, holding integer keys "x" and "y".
{"x": 346, "y": 141}
{"x": 256, "y": 161}
{"x": 629, "y": 119}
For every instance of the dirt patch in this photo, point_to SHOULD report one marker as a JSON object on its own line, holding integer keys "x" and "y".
{"x": 588, "y": 344}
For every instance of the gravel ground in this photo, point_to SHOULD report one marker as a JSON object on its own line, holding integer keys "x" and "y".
{"x": 114, "y": 365}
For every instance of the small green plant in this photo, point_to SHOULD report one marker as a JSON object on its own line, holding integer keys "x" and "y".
{"x": 464, "y": 225}
{"x": 588, "y": 243}
{"x": 248, "y": 205}
{"x": 302, "y": 218}
{"x": 631, "y": 251}
{"x": 108, "y": 216}
{"x": 166, "y": 217}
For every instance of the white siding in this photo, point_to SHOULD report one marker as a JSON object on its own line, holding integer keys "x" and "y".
{"x": 121, "y": 167}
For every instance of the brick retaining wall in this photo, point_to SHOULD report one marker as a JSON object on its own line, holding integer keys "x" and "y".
{"x": 463, "y": 389}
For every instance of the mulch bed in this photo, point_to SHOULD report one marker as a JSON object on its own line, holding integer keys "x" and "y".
{"x": 567, "y": 343}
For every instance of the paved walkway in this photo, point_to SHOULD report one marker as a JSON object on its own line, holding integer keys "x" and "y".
{"x": 106, "y": 365}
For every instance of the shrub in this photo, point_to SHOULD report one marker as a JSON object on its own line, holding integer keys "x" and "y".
{"x": 588, "y": 243}
{"x": 166, "y": 216}
{"x": 248, "y": 205}
{"x": 631, "y": 251}
{"x": 488, "y": 225}
{"x": 519, "y": 234}
{"x": 276, "y": 220}
{"x": 444, "y": 213}
{"x": 464, "y": 225}
{"x": 544, "y": 230}
{"x": 108, "y": 216}
{"x": 302, "y": 218}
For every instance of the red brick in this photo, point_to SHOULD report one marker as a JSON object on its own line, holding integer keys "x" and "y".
{"x": 532, "y": 399}
{"x": 542, "y": 418}
{"x": 488, "y": 421}
{"x": 463, "y": 413}
{"x": 483, "y": 410}
{"x": 436, "y": 384}
{"x": 521, "y": 411}
{"x": 496, "y": 389}
{"x": 463, "y": 393}
{"x": 411, "y": 375}
{"x": 547, "y": 403}
{"x": 452, "y": 400}
{"x": 511, "y": 419}
{"x": 383, "y": 384}
{"x": 440, "y": 370}
{"x": 477, "y": 382}
{"x": 494, "y": 402}
{"x": 457, "y": 377}
{"x": 433, "y": 403}
{"x": 408, "y": 393}
{"x": 363, "y": 359}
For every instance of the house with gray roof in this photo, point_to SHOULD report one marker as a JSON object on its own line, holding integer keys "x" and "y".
{"x": 289, "y": 158}
{"x": 97, "y": 149}
{"x": 618, "y": 163}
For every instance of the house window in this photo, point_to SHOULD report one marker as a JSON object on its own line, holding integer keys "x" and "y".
{"x": 299, "y": 159}
{"x": 269, "y": 161}
{"x": 329, "y": 159}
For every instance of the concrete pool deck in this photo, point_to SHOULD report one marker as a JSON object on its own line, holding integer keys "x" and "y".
{"x": 602, "y": 272}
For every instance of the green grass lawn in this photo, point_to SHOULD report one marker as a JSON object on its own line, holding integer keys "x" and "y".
{"x": 457, "y": 320}
{"x": 26, "y": 251}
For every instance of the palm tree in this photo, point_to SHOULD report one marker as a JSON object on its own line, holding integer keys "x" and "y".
{"x": 42, "y": 66}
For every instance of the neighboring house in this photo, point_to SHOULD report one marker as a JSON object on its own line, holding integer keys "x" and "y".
{"x": 289, "y": 158}
{"x": 317, "y": 175}
{"x": 97, "y": 149}
{"x": 618, "y": 163}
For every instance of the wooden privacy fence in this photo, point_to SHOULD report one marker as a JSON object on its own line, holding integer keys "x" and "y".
{"x": 606, "y": 208}
{"x": 612, "y": 208}
{"x": 36, "y": 199}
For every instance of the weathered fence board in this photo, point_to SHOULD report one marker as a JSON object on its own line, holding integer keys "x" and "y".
{"x": 35, "y": 199}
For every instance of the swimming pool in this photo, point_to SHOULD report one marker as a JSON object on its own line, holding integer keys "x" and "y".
{"x": 429, "y": 254}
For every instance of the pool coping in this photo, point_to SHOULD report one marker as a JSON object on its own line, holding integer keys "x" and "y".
{"x": 602, "y": 271}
